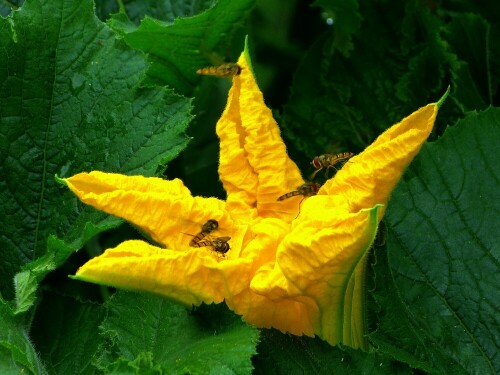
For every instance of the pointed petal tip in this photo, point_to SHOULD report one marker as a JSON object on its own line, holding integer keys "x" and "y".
{"x": 443, "y": 98}
{"x": 246, "y": 54}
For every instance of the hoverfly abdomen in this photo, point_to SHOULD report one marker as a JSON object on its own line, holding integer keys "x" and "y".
{"x": 197, "y": 239}
{"x": 307, "y": 189}
{"x": 288, "y": 195}
{"x": 204, "y": 238}
{"x": 206, "y": 229}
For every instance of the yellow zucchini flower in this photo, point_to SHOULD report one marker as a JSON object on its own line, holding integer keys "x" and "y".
{"x": 299, "y": 272}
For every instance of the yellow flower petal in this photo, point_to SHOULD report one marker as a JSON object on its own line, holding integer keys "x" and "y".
{"x": 254, "y": 165}
{"x": 368, "y": 178}
{"x": 303, "y": 275}
{"x": 322, "y": 270}
{"x": 165, "y": 210}
{"x": 190, "y": 277}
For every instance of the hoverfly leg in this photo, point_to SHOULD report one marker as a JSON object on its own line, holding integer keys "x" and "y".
{"x": 311, "y": 177}
{"x": 300, "y": 204}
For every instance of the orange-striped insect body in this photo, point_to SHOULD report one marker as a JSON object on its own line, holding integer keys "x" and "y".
{"x": 224, "y": 70}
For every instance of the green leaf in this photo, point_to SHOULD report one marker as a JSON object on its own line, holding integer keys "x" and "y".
{"x": 286, "y": 354}
{"x": 17, "y": 354}
{"x": 65, "y": 332}
{"x": 26, "y": 284}
{"x": 166, "y": 10}
{"x": 392, "y": 333}
{"x": 443, "y": 252}
{"x": 176, "y": 50}
{"x": 151, "y": 334}
{"x": 71, "y": 101}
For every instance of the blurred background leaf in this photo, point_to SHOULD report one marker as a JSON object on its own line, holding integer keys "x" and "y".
{"x": 470, "y": 38}
{"x": 336, "y": 74}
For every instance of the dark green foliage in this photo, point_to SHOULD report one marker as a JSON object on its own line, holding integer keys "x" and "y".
{"x": 286, "y": 354}
{"x": 404, "y": 56}
{"x": 81, "y": 91}
{"x": 65, "y": 332}
{"x": 148, "y": 333}
{"x": 17, "y": 353}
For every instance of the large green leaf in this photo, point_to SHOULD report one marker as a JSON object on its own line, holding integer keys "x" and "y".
{"x": 149, "y": 333}
{"x": 71, "y": 101}
{"x": 444, "y": 254}
{"x": 176, "y": 50}
{"x": 17, "y": 353}
{"x": 286, "y": 354}
{"x": 65, "y": 332}
{"x": 392, "y": 331}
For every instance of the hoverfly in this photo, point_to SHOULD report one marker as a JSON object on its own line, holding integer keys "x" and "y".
{"x": 219, "y": 244}
{"x": 328, "y": 160}
{"x": 224, "y": 70}
{"x": 203, "y": 238}
{"x": 308, "y": 189}
{"x": 206, "y": 229}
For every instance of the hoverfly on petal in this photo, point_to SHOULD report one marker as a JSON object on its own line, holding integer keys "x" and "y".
{"x": 203, "y": 238}
{"x": 219, "y": 244}
{"x": 306, "y": 190}
{"x": 329, "y": 160}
